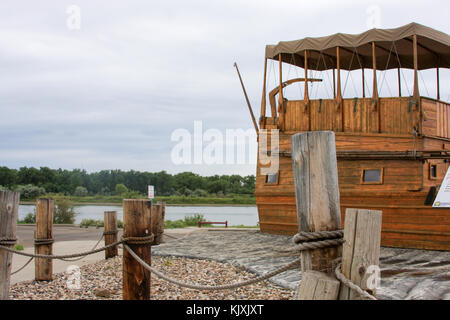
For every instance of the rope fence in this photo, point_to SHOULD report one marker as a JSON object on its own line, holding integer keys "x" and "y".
{"x": 303, "y": 241}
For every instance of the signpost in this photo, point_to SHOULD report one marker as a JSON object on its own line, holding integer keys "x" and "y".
{"x": 443, "y": 197}
{"x": 151, "y": 192}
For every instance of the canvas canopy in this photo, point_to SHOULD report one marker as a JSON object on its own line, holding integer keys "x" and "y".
{"x": 394, "y": 49}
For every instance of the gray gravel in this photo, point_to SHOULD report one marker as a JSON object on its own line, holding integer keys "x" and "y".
{"x": 224, "y": 257}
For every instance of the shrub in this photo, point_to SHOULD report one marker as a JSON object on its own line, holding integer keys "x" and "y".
{"x": 18, "y": 247}
{"x": 64, "y": 212}
{"x": 30, "y": 191}
{"x": 29, "y": 218}
{"x": 81, "y": 192}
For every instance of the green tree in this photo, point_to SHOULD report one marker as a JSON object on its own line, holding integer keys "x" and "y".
{"x": 121, "y": 189}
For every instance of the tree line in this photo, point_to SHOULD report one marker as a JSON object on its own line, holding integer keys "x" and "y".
{"x": 111, "y": 182}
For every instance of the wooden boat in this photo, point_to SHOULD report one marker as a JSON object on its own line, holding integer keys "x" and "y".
{"x": 393, "y": 152}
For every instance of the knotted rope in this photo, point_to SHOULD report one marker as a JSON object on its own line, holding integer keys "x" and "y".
{"x": 8, "y": 241}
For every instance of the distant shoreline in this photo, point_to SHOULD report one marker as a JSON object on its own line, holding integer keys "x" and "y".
{"x": 119, "y": 204}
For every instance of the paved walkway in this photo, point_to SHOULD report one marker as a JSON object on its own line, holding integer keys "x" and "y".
{"x": 405, "y": 273}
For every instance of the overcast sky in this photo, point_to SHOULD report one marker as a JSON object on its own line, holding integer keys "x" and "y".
{"x": 110, "y": 94}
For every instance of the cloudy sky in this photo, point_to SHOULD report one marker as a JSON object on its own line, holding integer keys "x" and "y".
{"x": 109, "y": 94}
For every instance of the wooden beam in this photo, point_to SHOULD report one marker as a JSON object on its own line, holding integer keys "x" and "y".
{"x": 361, "y": 250}
{"x": 9, "y": 210}
{"x": 44, "y": 230}
{"x": 315, "y": 172}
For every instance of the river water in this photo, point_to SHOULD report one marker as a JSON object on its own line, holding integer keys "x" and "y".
{"x": 235, "y": 215}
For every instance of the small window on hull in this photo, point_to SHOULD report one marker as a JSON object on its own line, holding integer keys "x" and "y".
{"x": 372, "y": 176}
{"x": 433, "y": 171}
{"x": 272, "y": 178}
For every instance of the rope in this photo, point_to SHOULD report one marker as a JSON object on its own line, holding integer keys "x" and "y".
{"x": 77, "y": 259}
{"x": 23, "y": 267}
{"x": 292, "y": 265}
{"x": 317, "y": 235}
{"x": 8, "y": 241}
{"x": 43, "y": 241}
{"x": 47, "y": 256}
{"x": 352, "y": 285}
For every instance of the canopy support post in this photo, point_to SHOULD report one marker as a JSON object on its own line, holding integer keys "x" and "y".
{"x": 363, "y": 83}
{"x": 280, "y": 97}
{"x": 339, "y": 91}
{"x": 416, "y": 71}
{"x": 306, "y": 97}
{"x": 416, "y": 94}
{"x": 334, "y": 83}
{"x": 399, "y": 83}
{"x": 262, "y": 118}
{"x": 375, "y": 82}
{"x": 438, "y": 84}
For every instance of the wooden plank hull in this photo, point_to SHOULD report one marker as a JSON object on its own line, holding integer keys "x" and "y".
{"x": 418, "y": 227}
{"x": 369, "y": 138}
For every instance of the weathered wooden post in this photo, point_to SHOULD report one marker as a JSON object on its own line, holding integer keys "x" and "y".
{"x": 44, "y": 238}
{"x": 136, "y": 223}
{"x": 158, "y": 216}
{"x": 315, "y": 172}
{"x": 361, "y": 250}
{"x": 9, "y": 209}
{"x": 110, "y": 233}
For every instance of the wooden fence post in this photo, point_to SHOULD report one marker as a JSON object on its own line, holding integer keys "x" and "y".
{"x": 158, "y": 215}
{"x": 317, "y": 192}
{"x": 315, "y": 172}
{"x": 361, "y": 250}
{"x": 44, "y": 231}
{"x": 318, "y": 286}
{"x": 9, "y": 209}
{"x": 136, "y": 223}
{"x": 111, "y": 233}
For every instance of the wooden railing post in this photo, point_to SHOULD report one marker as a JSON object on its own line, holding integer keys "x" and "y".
{"x": 9, "y": 209}
{"x": 44, "y": 234}
{"x": 111, "y": 233}
{"x": 136, "y": 223}
{"x": 361, "y": 250}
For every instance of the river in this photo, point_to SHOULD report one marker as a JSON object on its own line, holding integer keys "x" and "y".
{"x": 235, "y": 215}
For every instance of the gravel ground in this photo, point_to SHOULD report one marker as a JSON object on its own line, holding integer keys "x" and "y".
{"x": 103, "y": 280}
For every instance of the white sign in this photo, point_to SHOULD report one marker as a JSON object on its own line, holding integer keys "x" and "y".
{"x": 443, "y": 197}
{"x": 151, "y": 192}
